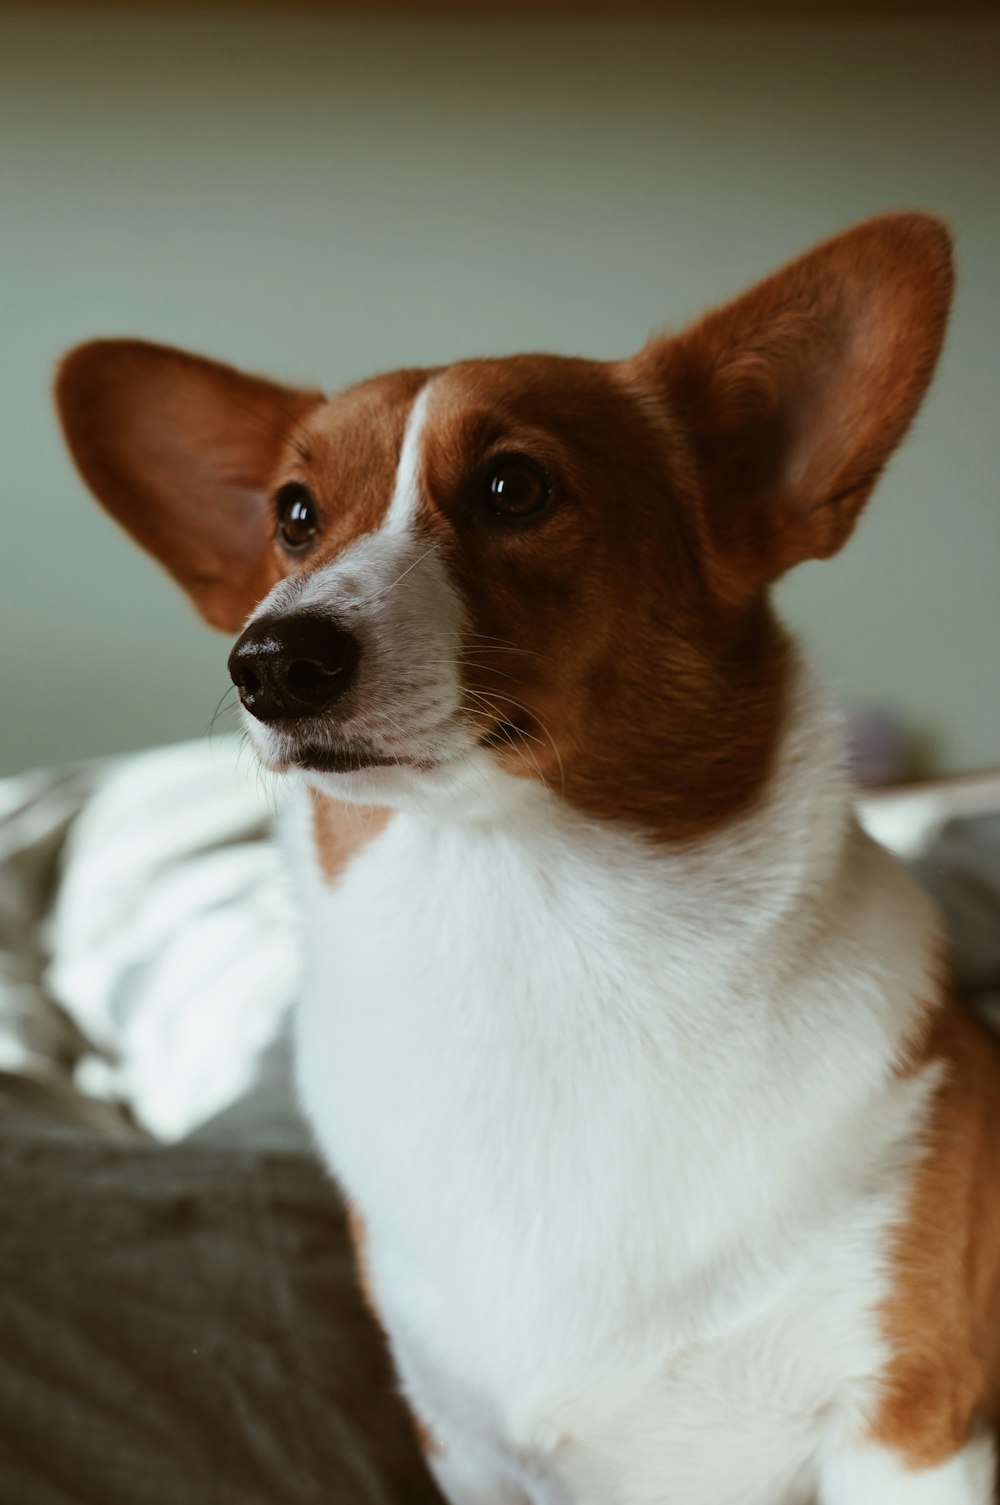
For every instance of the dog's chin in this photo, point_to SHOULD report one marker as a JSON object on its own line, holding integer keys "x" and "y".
{"x": 456, "y": 777}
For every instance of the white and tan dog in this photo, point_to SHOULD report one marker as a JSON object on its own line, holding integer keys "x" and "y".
{"x": 674, "y": 1167}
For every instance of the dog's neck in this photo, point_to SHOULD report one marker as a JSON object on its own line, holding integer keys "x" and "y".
{"x": 558, "y": 977}
{"x": 789, "y": 885}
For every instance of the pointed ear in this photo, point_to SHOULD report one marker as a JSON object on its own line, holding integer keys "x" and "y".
{"x": 795, "y": 395}
{"x": 182, "y": 451}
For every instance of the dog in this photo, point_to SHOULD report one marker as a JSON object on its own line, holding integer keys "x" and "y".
{"x": 673, "y": 1163}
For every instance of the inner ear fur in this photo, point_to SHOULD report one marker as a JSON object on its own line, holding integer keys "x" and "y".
{"x": 182, "y": 451}
{"x": 795, "y": 395}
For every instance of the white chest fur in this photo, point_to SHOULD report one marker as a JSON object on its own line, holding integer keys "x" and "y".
{"x": 624, "y": 1131}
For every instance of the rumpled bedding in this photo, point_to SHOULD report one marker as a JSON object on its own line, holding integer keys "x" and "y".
{"x": 40, "y": 1045}
{"x": 181, "y": 1325}
{"x": 147, "y": 950}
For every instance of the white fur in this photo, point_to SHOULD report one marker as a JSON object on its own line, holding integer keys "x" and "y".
{"x": 625, "y": 1131}
{"x": 623, "y": 1123}
{"x": 405, "y": 503}
{"x": 871, "y": 1476}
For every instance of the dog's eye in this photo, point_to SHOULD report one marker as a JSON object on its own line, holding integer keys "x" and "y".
{"x": 298, "y": 519}
{"x": 517, "y": 487}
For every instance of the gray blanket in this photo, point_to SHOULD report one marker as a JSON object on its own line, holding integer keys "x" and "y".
{"x": 181, "y": 1326}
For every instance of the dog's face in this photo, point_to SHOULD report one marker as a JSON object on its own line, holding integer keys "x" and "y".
{"x": 484, "y": 563}
{"x": 451, "y": 581}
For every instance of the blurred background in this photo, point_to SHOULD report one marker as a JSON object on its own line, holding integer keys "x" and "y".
{"x": 322, "y": 194}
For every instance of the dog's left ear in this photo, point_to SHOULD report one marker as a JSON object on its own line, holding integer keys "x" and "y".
{"x": 181, "y": 451}
{"x": 795, "y": 395}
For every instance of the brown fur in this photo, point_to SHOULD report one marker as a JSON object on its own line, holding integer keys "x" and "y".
{"x": 359, "y": 1242}
{"x": 942, "y": 1319}
{"x": 634, "y": 693}
{"x": 181, "y": 450}
{"x": 795, "y": 395}
{"x": 340, "y": 831}
{"x": 428, "y": 1443}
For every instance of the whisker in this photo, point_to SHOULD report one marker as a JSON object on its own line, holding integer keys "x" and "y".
{"x": 401, "y": 733}
{"x": 392, "y": 585}
{"x": 536, "y": 718}
{"x": 220, "y": 709}
{"x": 518, "y": 746}
{"x": 468, "y": 663}
{"x": 523, "y": 734}
{"x": 497, "y": 710}
{"x": 482, "y": 643}
{"x": 285, "y": 435}
{"x": 502, "y": 648}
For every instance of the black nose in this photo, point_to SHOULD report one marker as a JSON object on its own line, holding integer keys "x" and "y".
{"x": 286, "y": 667}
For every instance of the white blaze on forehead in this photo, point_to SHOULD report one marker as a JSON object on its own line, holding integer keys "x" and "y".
{"x": 389, "y": 587}
{"x": 406, "y": 491}
{"x": 369, "y": 563}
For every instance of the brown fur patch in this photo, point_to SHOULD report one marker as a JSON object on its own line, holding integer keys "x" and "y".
{"x": 592, "y": 639}
{"x": 358, "y": 1233}
{"x": 795, "y": 394}
{"x": 340, "y": 831}
{"x": 942, "y": 1318}
{"x": 429, "y": 1444}
{"x": 357, "y": 1230}
{"x": 180, "y": 449}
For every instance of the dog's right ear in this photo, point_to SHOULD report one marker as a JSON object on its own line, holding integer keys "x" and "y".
{"x": 795, "y": 395}
{"x": 182, "y": 452}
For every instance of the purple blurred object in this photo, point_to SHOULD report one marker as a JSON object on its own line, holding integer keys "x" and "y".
{"x": 877, "y": 745}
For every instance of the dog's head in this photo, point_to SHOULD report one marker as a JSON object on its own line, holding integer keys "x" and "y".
{"x": 543, "y": 567}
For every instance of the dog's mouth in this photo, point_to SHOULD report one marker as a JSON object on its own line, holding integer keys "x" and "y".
{"x": 319, "y": 758}
{"x": 325, "y": 754}
{"x": 356, "y": 757}
{"x": 316, "y": 751}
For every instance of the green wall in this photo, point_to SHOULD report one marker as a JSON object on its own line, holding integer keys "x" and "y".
{"x": 322, "y": 199}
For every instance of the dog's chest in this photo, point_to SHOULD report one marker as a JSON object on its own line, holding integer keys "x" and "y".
{"x": 518, "y": 1035}
{"x": 601, "y": 1204}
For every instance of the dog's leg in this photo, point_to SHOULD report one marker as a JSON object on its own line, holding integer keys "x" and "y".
{"x": 870, "y": 1475}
